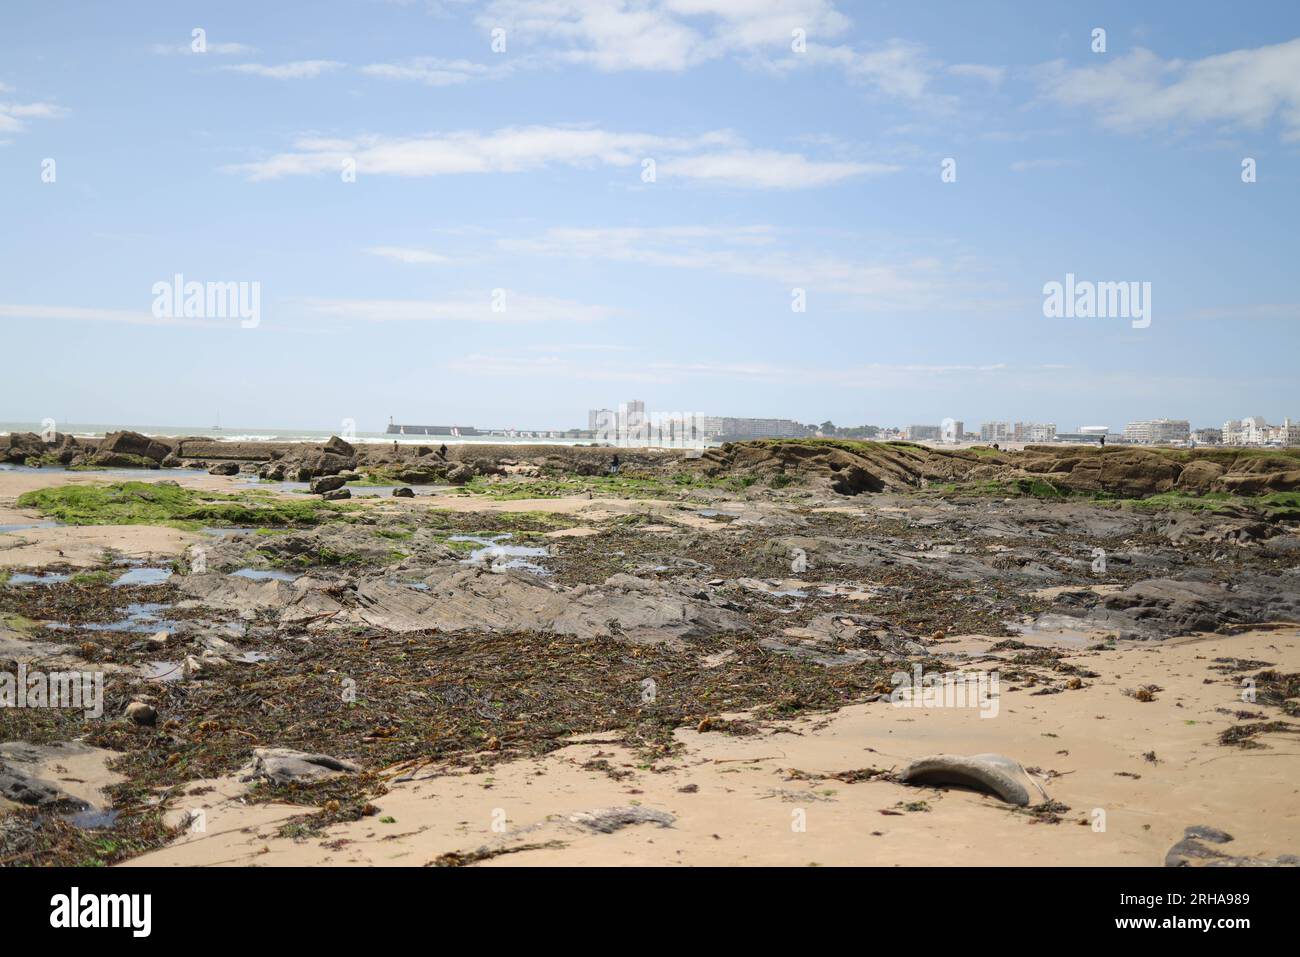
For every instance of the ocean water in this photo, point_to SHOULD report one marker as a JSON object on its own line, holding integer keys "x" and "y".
{"x": 246, "y": 434}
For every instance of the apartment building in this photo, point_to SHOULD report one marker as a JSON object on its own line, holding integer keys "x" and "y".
{"x": 997, "y": 432}
{"x": 1034, "y": 432}
{"x": 1157, "y": 431}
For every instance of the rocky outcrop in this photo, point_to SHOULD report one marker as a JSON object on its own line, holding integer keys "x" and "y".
{"x": 19, "y": 445}
{"x": 460, "y": 599}
{"x": 850, "y": 468}
{"x": 1166, "y": 607}
{"x": 1131, "y": 472}
{"x": 1196, "y": 850}
{"x": 129, "y": 450}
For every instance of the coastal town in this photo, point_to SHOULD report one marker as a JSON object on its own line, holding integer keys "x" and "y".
{"x": 630, "y": 423}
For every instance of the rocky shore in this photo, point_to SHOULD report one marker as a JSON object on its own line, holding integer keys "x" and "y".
{"x": 339, "y": 654}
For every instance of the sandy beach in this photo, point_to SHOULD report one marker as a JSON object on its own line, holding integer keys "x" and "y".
{"x": 771, "y": 623}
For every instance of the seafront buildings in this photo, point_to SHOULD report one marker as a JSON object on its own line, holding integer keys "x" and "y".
{"x": 632, "y": 423}
{"x": 1157, "y": 431}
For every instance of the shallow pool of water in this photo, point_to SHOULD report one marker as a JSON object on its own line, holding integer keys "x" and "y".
{"x": 501, "y": 557}
{"x": 265, "y": 574}
{"x": 163, "y": 670}
{"x": 22, "y": 526}
{"x": 49, "y": 578}
{"x": 143, "y": 576}
{"x": 139, "y": 617}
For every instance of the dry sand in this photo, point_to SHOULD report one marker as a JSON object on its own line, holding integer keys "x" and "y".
{"x": 742, "y": 806}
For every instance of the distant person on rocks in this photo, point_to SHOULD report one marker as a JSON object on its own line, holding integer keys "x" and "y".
{"x": 613, "y": 465}
{"x": 442, "y": 450}
{"x": 1102, "y": 440}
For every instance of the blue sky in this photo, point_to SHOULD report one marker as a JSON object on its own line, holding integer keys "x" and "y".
{"x": 523, "y": 171}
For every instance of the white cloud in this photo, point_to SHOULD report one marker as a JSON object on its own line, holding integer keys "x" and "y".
{"x": 517, "y": 308}
{"x": 297, "y": 70}
{"x": 12, "y": 115}
{"x": 767, "y": 169}
{"x": 718, "y": 157}
{"x": 897, "y": 69}
{"x": 434, "y": 71}
{"x": 143, "y": 317}
{"x": 1141, "y": 91}
{"x": 992, "y": 75}
{"x": 405, "y": 254}
{"x": 755, "y": 252}
{"x": 675, "y": 35}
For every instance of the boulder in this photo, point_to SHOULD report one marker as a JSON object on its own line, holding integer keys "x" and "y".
{"x": 991, "y": 773}
{"x": 336, "y": 495}
{"x": 21, "y": 445}
{"x": 313, "y": 463}
{"x": 133, "y": 444}
{"x": 460, "y": 475}
{"x": 327, "y": 483}
{"x": 287, "y": 766}
{"x": 141, "y": 713}
{"x": 224, "y": 468}
{"x": 339, "y": 447}
{"x": 403, "y": 493}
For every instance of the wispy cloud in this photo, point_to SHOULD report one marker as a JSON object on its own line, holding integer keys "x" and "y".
{"x": 435, "y": 71}
{"x": 660, "y": 35}
{"x": 144, "y": 317}
{"x": 992, "y": 75}
{"x": 758, "y": 252}
{"x": 297, "y": 70}
{"x": 1141, "y": 91}
{"x": 717, "y": 157}
{"x": 217, "y": 49}
{"x": 12, "y": 115}
{"x": 504, "y": 308}
{"x": 406, "y": 254}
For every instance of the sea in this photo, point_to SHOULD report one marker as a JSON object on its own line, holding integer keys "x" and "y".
{"x": 245, "y": 434}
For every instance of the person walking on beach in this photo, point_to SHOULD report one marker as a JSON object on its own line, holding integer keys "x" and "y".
{"x": 1102, "y": 440}
{"x": 613, "y": 465}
